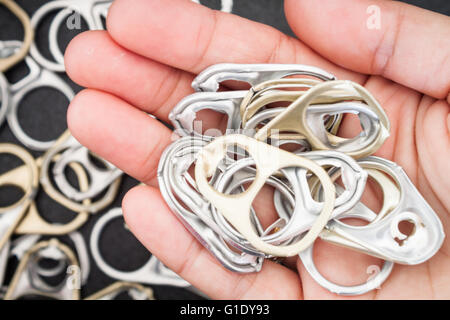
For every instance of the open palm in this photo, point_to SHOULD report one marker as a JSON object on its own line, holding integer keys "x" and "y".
{"x": 152, "y": 51}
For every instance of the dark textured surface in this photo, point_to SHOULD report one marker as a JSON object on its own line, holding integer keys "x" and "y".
{"x": 43, "y": 116}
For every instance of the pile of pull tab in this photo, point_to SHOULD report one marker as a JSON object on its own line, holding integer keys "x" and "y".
{"x": 28, "y": 241}
{"x": 316, "y": 186}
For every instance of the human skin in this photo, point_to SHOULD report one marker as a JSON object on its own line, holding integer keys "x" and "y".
{"x": 151, "y": 52}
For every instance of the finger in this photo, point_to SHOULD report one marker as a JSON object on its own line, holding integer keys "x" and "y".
{"x": 192, "y": 37}
{"x": 407, "y": 44}
{"x": 118, "y": 132}
{"x": 150, "y": 219}
{"x": 432, "y": 134}
{"x": 94, "y": 60}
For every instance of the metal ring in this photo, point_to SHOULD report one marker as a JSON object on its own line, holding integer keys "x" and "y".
{"x": 64, "y": 142}
{"x": 294, "y": 119}
{"x": 305, "y": 212}
{"x": 236, "y": 208}
{"x": 373, "y": 283}
{"x": 49, "y": 272}
{"x": 23, "y": 283}
{"x": 100, "y": 179}
{"x": 210, "y": 78}
{"x": 222, "y": 185}
{"x": 45, "y": 79}
{"x": 192, "y": 209}
{"x": 82, "y": 7}
{"x": 153, "y": 272}
{"x": 25, "y": 177}
{"x": 53, "y": 35}
{"x": 33, "y": 223}
{"x": 98, "y": 11}
{"x": 8, "y": 62}
{"x": 25, "y": 242}
{"x": 35, "y": 20}
{"x": 184, "y": 114}
{"x": 379, "y": 237}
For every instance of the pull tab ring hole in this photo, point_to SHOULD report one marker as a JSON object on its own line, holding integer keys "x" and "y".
{"x": 407, "y": 228}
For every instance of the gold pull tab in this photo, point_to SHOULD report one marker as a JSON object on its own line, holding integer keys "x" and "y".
{"x": 7, "y": 63}
{"x": 236, "y": 208}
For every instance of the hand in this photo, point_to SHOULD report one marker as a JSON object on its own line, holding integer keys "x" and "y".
{"x": 151, "y": 53}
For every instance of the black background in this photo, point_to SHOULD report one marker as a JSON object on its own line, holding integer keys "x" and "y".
{"x": 43, "y": 116}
